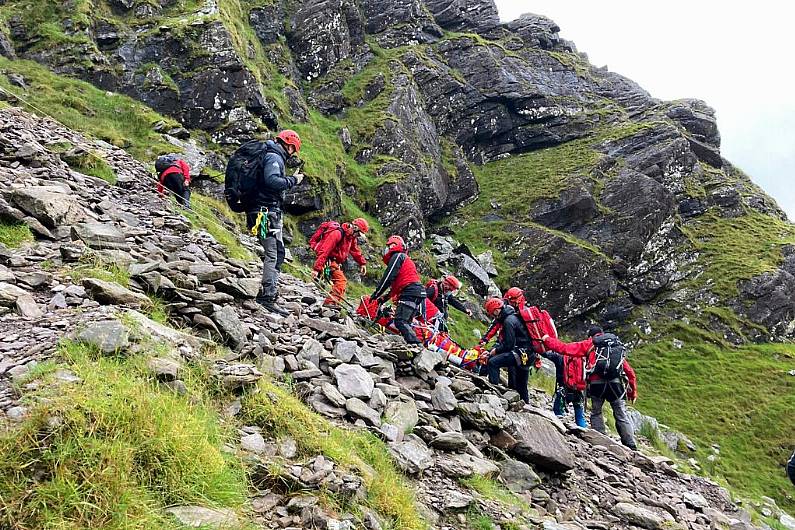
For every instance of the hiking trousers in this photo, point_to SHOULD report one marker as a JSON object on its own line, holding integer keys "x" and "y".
{"x": 517, "y": 377}
{"x": 410, "y": 304}
{"x": 273, "y": 258}
{"x": 791, "y": 468}
{"x": 338, "y": 285}
{"x": 175, "y": 182}
{"x": 613, "y": 392}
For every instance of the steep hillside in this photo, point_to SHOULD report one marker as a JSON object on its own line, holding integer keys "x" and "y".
{"x": 141, "y": 387}
{"x": 465, "y": 135}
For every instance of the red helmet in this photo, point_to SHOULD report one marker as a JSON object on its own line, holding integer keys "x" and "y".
{"x": 361, "y": 224}
{"x": 514, "y": 294}
{"x": 290, "y": 137}
{"x": 396, "y": 244}
{"x": 451, "y": 283}
{"x": 492, "y": 305}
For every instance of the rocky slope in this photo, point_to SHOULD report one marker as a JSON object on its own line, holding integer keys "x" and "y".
{"x": 473, "y": 452}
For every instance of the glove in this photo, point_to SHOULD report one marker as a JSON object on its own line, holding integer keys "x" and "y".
{"x": 363, "y": 270}
{"x": 298, "y": 177}
{"x": 469, "y": 312}
{"x": 315, "y": 274}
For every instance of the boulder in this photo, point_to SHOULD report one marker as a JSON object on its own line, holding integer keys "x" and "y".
{"x": 235, "y": 376}
{"x": 443, "y": 399}
{"x": 642, "y": 517}
{"x": 344, "y": 350}
{"x": 518, "y": 476}
{"x": 164, "y": 369}
{"x": 111, "y": 293}
{"x": 200, "y": 517}
{"x": 49, "y": 205}
{"x": 359, "y": 409}
{"x": 10, "y": 293}
{"x": 100, "y": 236}
{"x": 311, "y": 351}
{"x": 402, "y": 414}
{"x": 230, "y": 327}
{"x": 450, "y": 441}
{"x": 539, "y": 442}
{"x": 109, "y": 336}
{"x": 354, "y": 381}
{"x": 411, "y": 455}
{"x": 240, "y": 288}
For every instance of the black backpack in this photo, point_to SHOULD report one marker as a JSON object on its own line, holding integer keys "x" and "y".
{"x": 164, "y": 162}
{"x": 242, "y": 172}
{"x": 608, "y": 357}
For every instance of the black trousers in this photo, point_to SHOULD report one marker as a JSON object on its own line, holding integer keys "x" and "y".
{"x": 410, "y": 304}
{"x": 791, "y": 468}
{"x": 175, "y": 182}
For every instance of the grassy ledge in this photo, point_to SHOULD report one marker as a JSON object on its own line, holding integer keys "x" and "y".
{"x": 14, "y": 235}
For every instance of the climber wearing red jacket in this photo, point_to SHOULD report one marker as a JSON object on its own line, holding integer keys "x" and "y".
{"x": 599, "y": 390}
{"x": 176, "y": 178}
{"x": 402, "y": 281}
{"x": 333, "y": 243}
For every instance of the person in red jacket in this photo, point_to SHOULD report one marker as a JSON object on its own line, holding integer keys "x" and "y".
{"x": 176, "y": 178}
{"x": 401, "y": 283}
{"x": 515, "y": 298}
{"x": 599, "y": 390}
{"x": 332, "y": 248}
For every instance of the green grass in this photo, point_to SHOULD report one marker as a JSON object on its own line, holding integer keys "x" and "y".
{"x": 93, "y": 266}
{"x": 208, "y": 214}
{"x": 733, "y": 249}
{"x": 276, "y": 410}
{"x": 157, "y": 310}
{"x": 113, "y": 118}
{"x": 493, "y": 490}
{"x": 14, "y": 235}
{"x": 122, "y": 451}
{"x": 740, "y": 398}
{"x": 91, "y": 163}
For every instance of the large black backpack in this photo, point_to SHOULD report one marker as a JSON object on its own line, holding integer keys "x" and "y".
{"x": 164, "y": 162}
{"x": 242, "y": 172}
{"x": 608, "y": 357}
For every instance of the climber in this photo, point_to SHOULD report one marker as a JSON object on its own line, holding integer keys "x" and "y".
{"x": 791, "y": 468}
{"x": 332, "y": 243}
{"x": 441, "y": 293}
{"x": 564, "y": 394}
{"x": 494, "y": 328}
{"x": 515, "y": 297}
{"x": 265, "y": 216}
{"x": 173, "y": 174}
{"x": 513, "y": 349}
{"x": 607, "y": 386}
{"x": 403, "y": 283}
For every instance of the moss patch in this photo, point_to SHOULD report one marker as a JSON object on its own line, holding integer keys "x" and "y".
{"x": 14, "y": 235}
{"x": 91, "y": 163}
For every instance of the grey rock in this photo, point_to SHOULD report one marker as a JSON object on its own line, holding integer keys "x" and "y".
{"x": 642, "y": 517}
{"x": 450, "y": 441}
{"x": 411, "y": 455}
{"x": 50, "y": 205}
{"x": 324, "y": 407}
{"x": 332, "y": 394}
{"x": 200, "y": 517}
{"x": 378, "y": 400}
{"x": 235, "y": 376}
{"x": 111, "y": 293}
{"x": 354, "y": 381}
{"x": 486, "y": 414}
{"x": 311, "y": 351}
{"x": 9, "y": 293}
{"x": 518, "y": 476}
{"x": 109, "y": 336}
{"x": 164, "y": 369}
{"x": 27, "y": 307}
{"x": 345, "y": 350}
{"x": 486, "y": 261}
{"x": 230, "y": 327}
{"x": 539, "y": 442}
{"x": 359, "y": 409}
{"x": 402, "y": 414}
{"x": 443, "y": 399}
{"x": 254, "y": 443}
{"x": 390, "y": 432}
{"x": 426, "y": 361}
{"x": 454, "y": 500}
{"x": 240, "y": 288}
{"x": 100, "y": 236}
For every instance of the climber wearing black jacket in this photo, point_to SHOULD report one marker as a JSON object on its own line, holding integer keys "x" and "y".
{"x": 513, "y": 350}
{"x": 791, "y": 468}
{"x": 441, "y": 293}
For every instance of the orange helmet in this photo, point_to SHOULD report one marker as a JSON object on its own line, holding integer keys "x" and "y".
{"x": 493, "y": 305}
{"x": 290, "y": 137}
{"x": 451, "y": 283}
{"x": 361, "y": 224}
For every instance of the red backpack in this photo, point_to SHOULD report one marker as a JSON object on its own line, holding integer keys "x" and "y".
{"x": 324, "y": 228}
{"x": 539, "y": 323}
{"x": 574, "y": 373}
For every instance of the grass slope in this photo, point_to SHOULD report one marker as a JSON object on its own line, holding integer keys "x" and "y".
{"x": 741, "y": 398}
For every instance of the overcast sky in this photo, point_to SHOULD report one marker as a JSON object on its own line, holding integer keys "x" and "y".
{"x": 739, "y": 57}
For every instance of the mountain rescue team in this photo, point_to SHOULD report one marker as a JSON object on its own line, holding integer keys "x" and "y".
{"x": 255, "y": 184}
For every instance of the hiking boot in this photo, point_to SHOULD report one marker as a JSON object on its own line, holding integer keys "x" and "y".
{"x": 270, "y": 305}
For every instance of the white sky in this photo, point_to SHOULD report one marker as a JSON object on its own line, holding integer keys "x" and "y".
{"x": 739, "y": 57}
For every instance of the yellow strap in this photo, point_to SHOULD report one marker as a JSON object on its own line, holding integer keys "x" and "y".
{"x": 255, "y": 228}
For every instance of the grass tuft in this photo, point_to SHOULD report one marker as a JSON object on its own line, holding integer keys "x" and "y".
{"x": 14, "y": 235}
{"x": 93, "y": 266}
{"x": 210, "y": 214}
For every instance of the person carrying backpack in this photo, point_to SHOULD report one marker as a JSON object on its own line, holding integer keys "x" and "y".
{"x": 513, "y": 350}
{"x": 606, "y": 366}
{"x": 441, "y": 293}
{"x": 401, "y": 283}
{"x": 255, "y": 183}
{"x": 333, "y": 243}
{"x": 173, "y": 174}
{"x": 566, "y": 393}
{"x": 791, "y": 468}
